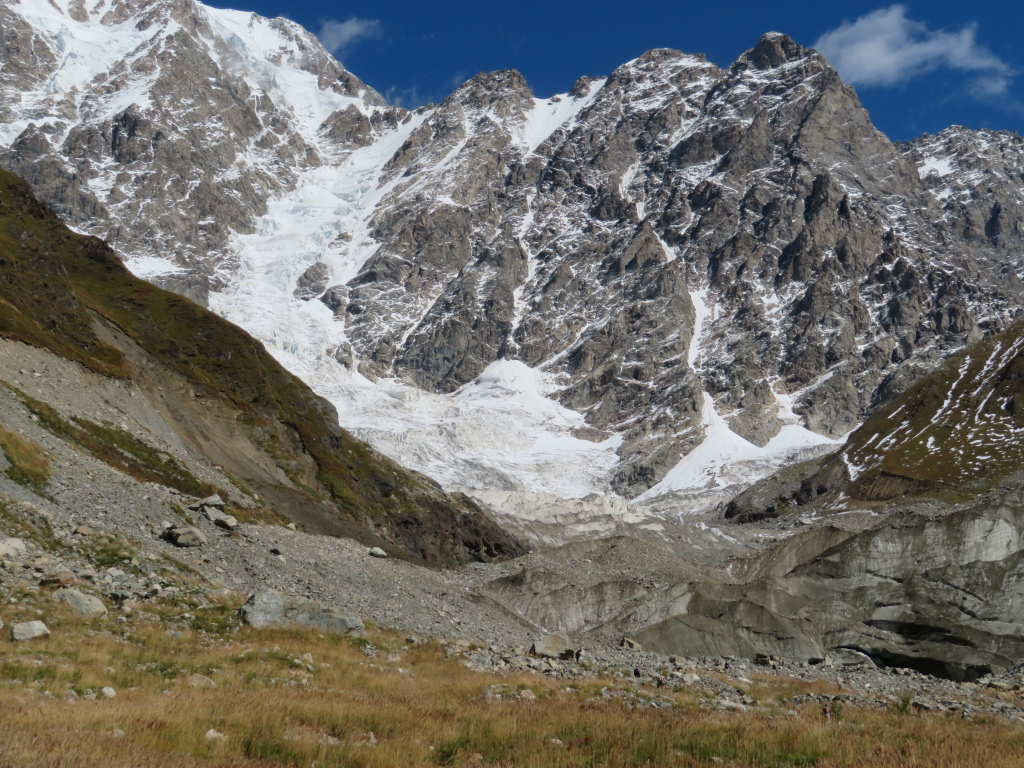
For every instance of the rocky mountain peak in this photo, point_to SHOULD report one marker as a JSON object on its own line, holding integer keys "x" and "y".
{"x": 501, "y": 94}
{"x": 773, "y": 50}
{"x": 200, "y": 112}
{"x": 681, "y": 256}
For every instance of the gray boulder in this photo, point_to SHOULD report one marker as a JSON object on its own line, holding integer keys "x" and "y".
{"x": 200, "y": 681}
{"x": 214, "y": 501}
{"x": 12, "y": 548}
{"x": 849, "y": 658}
{"x": 221, "y": 520}
{"x": 554, "y": 646}
{"x": 377, "y": 552}
{"x": 80, "y": 603}
{"x": 277, "y": 609}
{"x": 28, "y": 630}
{"x": 185, "y": 536}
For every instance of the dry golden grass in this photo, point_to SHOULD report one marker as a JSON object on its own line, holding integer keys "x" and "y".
{"x": 435, "y": 716}
{"x": 29, "y": 465}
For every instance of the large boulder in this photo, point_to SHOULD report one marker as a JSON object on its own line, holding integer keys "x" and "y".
{"x": 277, "y": 609}
{"x": 80, "y": 603}
{"x": 28, "y": 630}
{"x": 554, "y": 646}
{"x": 12, "y": 548}
{"x": 214, "y": 501}
{"x": 849, "y": 659}
{"x": 220, "y": 519}
{"x": 185, "y": 536}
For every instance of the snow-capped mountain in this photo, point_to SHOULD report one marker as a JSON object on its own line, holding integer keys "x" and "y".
{"x": 665, "y": 281}
{"x": 166, "y": 126}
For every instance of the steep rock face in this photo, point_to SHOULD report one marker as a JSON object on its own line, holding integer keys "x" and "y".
{"x": 832, "y": 275}
{"x": 976, "y": 178}
{"x": 674, "y": 246}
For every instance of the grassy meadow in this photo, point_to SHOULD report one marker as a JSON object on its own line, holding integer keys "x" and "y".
{"x": 380, "y": 701}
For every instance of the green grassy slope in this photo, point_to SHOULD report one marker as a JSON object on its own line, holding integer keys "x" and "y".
{"x": 955, "y": 433}
{"x": 55, "y": 284}
{"x": 960, "y": 427}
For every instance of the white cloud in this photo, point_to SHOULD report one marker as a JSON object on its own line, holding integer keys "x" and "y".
{"x": 885, "y": 48}
{"x": 339, "y": 36}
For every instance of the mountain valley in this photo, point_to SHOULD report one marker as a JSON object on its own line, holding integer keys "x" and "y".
{"x": 686, "y": 362}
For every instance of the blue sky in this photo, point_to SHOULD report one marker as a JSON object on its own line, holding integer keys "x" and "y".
{"x": 918, "y": 67}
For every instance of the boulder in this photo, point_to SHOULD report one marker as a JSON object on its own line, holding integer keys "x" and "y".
{"x": 277, "y": 609}
{"x": 200, "y": 681}
{"x": 12, "y": 548}
{"x": 848, "y": 658}
{"x": 220, "y": 519}
{"x": 377, "y": 552}
{"x": 80, "y": 603}
{"x": 630, "y": 644}
{"x": 214, "y": 501}
{"x": 107, "y": 692}
{"x": 554, "y": 646}
{"x": 185, "y": 536}
{"x": 28, "y": 630}
{"x": 227, "y": 522}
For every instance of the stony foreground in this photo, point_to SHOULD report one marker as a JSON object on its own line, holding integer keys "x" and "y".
{"x": 181, "y": 683}
{"x": 144, "y": 661}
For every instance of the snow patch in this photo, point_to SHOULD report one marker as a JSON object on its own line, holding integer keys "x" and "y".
{"x": 277, "y": 62}
{"x": 724, "y": 459}
{"x": 548, "y": 115}
{"x": 85, "y": 50}
{"x": 151, "y": 266}
{"x": 940, "y": 166}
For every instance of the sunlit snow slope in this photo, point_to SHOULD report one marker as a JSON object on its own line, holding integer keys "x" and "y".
{"x": 724, "y": 462}
{"x": 500, "y": 431}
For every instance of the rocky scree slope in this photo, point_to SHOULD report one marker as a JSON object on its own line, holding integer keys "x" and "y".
{"x": 912, "y": 549}
{"x": 675, "y": 246}
{"x": 903, "y": 546}
{"x": 219, "y": 391}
